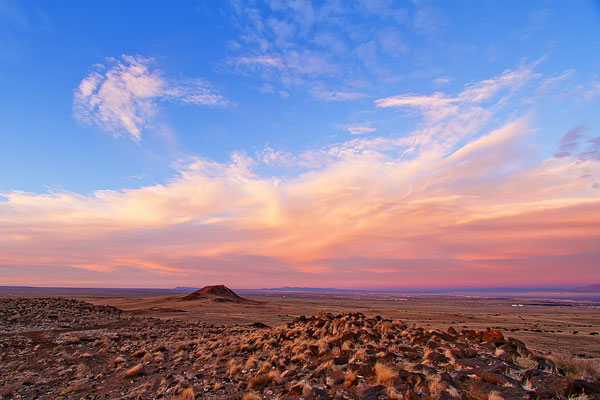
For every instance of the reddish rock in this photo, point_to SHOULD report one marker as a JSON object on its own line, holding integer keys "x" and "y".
{"x": 296, "y": 390}
{"x": 372, "y": 393}
{"x": 558, "y": 386}
{"x": 493, "y": 336}
{"x": 498, "y": 379}
{"x": 481, "y": 391}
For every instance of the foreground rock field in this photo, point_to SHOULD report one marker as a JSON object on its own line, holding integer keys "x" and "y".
{"x": 68, "y": 349}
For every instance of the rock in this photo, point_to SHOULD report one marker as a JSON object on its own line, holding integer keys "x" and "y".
{"x": 372, "y": 393}
{"x": 318, "y": 394}
{"x": 558, "y": 386}
{"x": 583, "y": 386}
{"x": 482, "y": 391}
{"x": 341, "y": 360}
{"x": 296, "y": 390}
{"x": 493, "y": 336}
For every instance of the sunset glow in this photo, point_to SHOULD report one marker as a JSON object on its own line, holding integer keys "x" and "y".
{"x": 491, "y": 178}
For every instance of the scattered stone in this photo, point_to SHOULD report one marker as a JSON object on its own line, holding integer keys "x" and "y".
{"x": 61, "y": 348}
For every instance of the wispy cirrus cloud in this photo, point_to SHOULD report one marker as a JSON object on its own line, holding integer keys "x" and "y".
{"x": 123, "y": 95}
{"x": 357, "y": 129}
{"x": 12, "y": 21}
{"x": 312, "y": 46}
{"x": 473, "y": 207}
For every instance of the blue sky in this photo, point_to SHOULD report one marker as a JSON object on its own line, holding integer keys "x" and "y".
{"x": 98, "y": 98}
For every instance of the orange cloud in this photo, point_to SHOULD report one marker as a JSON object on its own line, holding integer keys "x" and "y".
{"x": 462, "y": 208}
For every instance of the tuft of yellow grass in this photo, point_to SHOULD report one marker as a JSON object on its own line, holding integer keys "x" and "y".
{"x": 188, "y": 394}
{"x": 251, "y": 396}
{"x": 393, "y": 394}
{"x": 349, "y": 379}
{"x": 496, "y": 396}
{"x": 437, "y": 387}
{"x": 140, "y": 353}
{"x": 527, "y": 363}
{"x": 346, "y": 346}
{"x": 264, "y": 368}
{"x": 134, "y": 371}
{"x": 117, "y": 362}
{"x": 251, "y": 362}
{"x": 385, "y": 375}
{"x": 577, "y": 368}
{"x": 264, "y": 380}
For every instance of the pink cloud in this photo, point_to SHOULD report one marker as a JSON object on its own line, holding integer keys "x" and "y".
{"x": 460, "y": 210}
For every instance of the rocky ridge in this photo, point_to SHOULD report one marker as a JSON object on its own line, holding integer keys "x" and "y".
{"x": 346, "y": 356}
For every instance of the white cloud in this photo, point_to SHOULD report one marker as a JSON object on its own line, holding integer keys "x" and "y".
{"x": 265, "y": 61}
{"x": 442, "y": 80}
{"x": 122, "y": 97}
{"x": 555, "y": 81}
{"x": 358, "y": 129}
{"x": 322, "y": 94}
{"x": 304, "y": 44}
{"x": 593, "y": 92}
{"x": 451, "y": 189}
{"x": 457, "y": 117}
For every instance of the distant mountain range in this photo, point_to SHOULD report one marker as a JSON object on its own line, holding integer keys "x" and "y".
{"x": 595, "y": 288}
{"x": 308, "y": 289}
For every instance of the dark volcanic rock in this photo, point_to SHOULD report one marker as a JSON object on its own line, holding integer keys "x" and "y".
{"x": 218, "y": 293}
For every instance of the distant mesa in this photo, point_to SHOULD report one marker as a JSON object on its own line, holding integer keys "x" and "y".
{"x": 595, "y": 288}
{"x": 216, "y": 293}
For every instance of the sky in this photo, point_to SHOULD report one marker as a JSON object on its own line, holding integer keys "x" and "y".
{"x": 350, "y": 144}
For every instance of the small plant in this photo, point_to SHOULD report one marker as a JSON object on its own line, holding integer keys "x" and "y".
{"x": 384, "y": 374}
{"x": 188, "y": 394}
{"x": 577, "y": 368}
{"x": 140, "y": 353}
{"x": 264, "y": 380}
{"x": 118, "y": 362}
{"x": 134, "y": 371}
{"x": 349, "y": 379}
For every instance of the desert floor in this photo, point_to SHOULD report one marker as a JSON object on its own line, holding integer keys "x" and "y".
{"x": 550, "y": 326}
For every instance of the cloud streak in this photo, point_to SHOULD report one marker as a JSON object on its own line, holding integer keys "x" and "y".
{"x": 123, "y": 96}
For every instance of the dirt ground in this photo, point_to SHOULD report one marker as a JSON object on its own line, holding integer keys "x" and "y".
{"x": 547, "y": 325}
{"x": 135, "y": 344}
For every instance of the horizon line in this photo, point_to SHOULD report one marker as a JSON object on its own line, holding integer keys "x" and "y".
{"x": 324, "y": 289}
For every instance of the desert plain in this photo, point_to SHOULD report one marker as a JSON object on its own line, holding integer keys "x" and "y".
{"x": 144, "y": 344}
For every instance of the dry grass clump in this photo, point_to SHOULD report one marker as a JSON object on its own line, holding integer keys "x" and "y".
{"x": 251, "y": 396}
{"x": 188, "y": 394}
{"x": 526, "y": 363}
{"x": 349, "y": 379}
{"x": 134, "y": 371}
{"x": 264, "y": 380}
{"x": 496, "y": 396}
{"x": 158, "y": 357}
{"x": 234, "y": 367}
{"x": 160, "y": 348}
{"x": 119, "y": 361}
{"x": 437, "y": 386}
{"x": 264, "y": 368}
{"x": 577, "y": 368}
{"x": 251, "y": 362}
{"x": 140, "y": 353}
{"x": 393, "y": 394}
{"x": 384, "y": 374}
